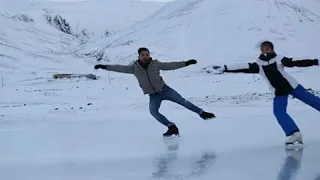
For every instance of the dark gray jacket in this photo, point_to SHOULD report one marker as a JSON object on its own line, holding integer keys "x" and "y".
{"x": 149, "y": 79}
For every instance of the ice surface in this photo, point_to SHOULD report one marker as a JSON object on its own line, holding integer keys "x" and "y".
{"x": 79, "y": 129}
{"x": 116, "y": 138}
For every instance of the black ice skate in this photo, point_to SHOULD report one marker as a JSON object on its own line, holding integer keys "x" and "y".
{"x": 172, "y": 130}
{"x": 207, "y": 115}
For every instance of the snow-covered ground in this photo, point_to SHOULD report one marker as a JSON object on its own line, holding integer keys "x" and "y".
{"x": 79, "y": 129}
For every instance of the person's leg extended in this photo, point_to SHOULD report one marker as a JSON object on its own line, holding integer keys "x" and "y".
{"x": 154, "y": 106}
{"x": 303, "y": 95}
{"x": 172, "y": 95}
{"x": 280, "y": 111}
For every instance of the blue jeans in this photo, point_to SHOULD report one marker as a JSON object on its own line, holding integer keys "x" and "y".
{"x": 280, "y": 108}
{"x": 170, "y": 95}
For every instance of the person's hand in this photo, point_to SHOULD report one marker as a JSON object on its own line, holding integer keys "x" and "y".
{"x": 100, "y": 66}
{"x": 191, "y": 61}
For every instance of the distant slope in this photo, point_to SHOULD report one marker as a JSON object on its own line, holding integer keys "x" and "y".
{"x": 93, "y": 15}
{"x": 99, "y": 16}
{"x": 31, "y": 46}
{"x": 217, "y": 31}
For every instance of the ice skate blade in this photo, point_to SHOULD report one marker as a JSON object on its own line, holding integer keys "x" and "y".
{"x": 171, "y": 137}
{"x": 295, "y": 146}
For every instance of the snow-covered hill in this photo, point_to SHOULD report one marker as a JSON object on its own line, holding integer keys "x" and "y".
{"x": 219, "y": 31}
{"x": 80, "y": 129}
{"x": 38, "y": 38}
{"x": 97, "y": 16}
{"x": 210, "y": 31}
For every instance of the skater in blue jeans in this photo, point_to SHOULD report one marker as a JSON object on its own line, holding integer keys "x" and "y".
{"x": 147, "y": 72}
{"x": 270, "y": 65}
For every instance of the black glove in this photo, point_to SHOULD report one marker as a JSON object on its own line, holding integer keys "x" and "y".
{"x": 100, "y": 66}
{"x": 191, "y": 61}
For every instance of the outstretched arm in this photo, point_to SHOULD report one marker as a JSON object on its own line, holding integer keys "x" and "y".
{"x": 116, "y": 68}
{"x": 251, "y": 68}
{"x": 289, "y": 62}
{"x": 175, "y": 65}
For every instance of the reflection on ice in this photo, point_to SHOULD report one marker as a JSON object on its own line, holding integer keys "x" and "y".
{"x": 175, "y": 164}
{"x": 291, "y": 165}
{"x": 203, "y": 164}
{"x": 164, "y": 163}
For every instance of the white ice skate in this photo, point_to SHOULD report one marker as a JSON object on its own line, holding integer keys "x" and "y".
{"x": 295, "y": 140}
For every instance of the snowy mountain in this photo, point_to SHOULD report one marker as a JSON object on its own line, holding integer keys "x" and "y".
{"x": 80, "y": 129}
{"x": 44, "y": 34}
{"x": 197, "y": 28}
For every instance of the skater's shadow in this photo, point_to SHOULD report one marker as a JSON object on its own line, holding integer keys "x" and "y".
{"x": 291, "y": 166}
{"x": 165, "y": 167}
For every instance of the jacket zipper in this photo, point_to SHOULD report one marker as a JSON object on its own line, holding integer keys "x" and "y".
{"x": 150, "y": 80}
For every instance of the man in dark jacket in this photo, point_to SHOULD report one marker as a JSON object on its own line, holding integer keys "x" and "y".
{"x": 147, "y": 72}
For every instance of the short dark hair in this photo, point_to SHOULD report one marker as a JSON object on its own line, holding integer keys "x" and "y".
{"x": 143, "y": 49}
{"x": 267, "y": 43}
